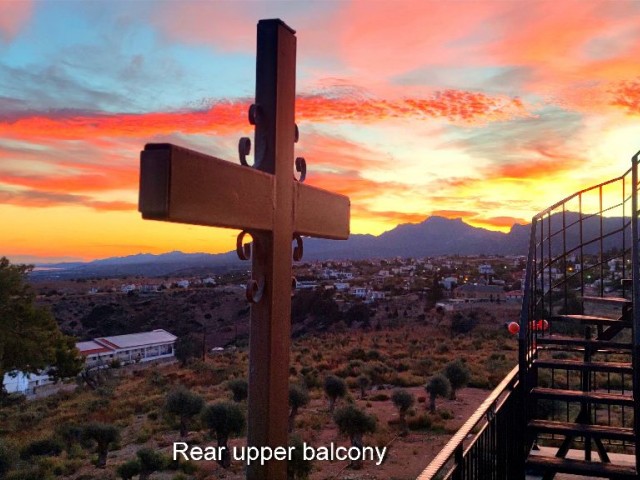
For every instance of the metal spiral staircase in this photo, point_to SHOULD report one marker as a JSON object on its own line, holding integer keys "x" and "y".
{"x": 571, "y": 409}
{"x": 578, "y": 346}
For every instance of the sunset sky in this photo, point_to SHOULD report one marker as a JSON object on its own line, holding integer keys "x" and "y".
{"x": 485, "y": 111}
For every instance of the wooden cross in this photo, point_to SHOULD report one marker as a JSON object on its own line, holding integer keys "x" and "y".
{"x": 266, "y": 201}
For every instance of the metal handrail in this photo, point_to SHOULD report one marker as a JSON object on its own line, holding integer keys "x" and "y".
{"x": 489, "y": 408}
{"x": 580, "y": 192}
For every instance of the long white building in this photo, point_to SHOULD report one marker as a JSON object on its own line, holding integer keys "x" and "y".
{"x": 134, "y": 347}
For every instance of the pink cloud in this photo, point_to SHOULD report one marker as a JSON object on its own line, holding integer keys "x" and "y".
{"x": 13, "y": 17}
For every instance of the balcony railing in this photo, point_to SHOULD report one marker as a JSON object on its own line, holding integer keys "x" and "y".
{"x": 486, "y": 445}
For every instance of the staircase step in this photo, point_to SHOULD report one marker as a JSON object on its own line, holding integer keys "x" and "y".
{"x": 578, "y": 396}
{"x": 611, "y": 367}
{"x": 614, "y": 301}
{"x": 591, "y": 319}
{"x": 581, "y": 342}
{"x": 579, "y": 430}
{"x": 581, "y": 467}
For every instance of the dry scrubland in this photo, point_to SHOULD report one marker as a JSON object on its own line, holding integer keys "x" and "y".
{"x": 401, "y": 356}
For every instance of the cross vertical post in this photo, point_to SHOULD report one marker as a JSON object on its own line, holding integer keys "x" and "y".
{"x": 183, "y": 186}
{"x": 270, "y": 329}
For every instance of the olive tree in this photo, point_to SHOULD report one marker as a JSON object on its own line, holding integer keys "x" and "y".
{"x": 239, "y": 388}
{"x": 149, "y": 461}
{"x": 438, "y": 386}
{"x": 185, "y": 405}
{"x": 298, "y": 397}
{"x": 223, "y": 420}
{"x": 354, "y": 423}
{"x": 403, "y": 401}
{"x": 363, "y": 382}
{"x": 104, "y": 435}
{"x": 458, "y": 375}
{"x": 335, "y": 388}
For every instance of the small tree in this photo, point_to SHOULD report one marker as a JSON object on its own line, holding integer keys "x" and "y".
{"x": 31, "y": 340}
{"x": 354, "y": 423}
{"x": 185, "y": 405}
{"x": 458, "y": 375}
{"x": 7, "y": 458}
{"x": 298, "y": 397}
{"x": 298, "y": 467}
{"x": 438, "y": 386}
{"x": 68, "y": 361}
{"x": 363, "y": 382}
{"x": 150, "y": 461}
{"x": 224, "y": 419}
{"x": 335, "y": 388}
{"x": 240, "y": 389}
{"x": 70, "y": 434}
{"x": 104, "y": 435}
{"x": 403, "y": 401}
{"x": 187, "y": 348}
{"x": 128, "y": 470}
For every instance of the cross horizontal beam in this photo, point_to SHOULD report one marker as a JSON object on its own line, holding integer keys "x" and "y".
{"x": 184, "y": 186}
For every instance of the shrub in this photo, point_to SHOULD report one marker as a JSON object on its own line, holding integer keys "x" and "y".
{"x": 379, "y": 397}
{"x": 7, "y": 457}
{"x": 420, "y": 422}
{"x": 150, "y": 461}
{"x": 363, "y": 382}
{"x": 43, "y": 447}
{"x": 298, "y": 397}
{"x": 70, "y": 434}
{"x": 445, "y": 414}
{"x": 128, "y": 470}
{"x": 239, "y": 388}
{"x": 298, "y": 468}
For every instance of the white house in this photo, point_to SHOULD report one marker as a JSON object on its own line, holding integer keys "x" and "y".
{"x": 359, "y": 292}
{"x": 485, "y": 269}
{"x": 20, "y": 382}
{"x": 134, "y": 347}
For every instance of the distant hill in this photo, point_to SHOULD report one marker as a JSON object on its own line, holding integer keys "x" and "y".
{"x": 434, "y": 236}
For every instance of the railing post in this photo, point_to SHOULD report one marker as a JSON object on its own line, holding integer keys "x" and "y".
{"x": 635, "y": 266}
{"x": 459, "y": 459}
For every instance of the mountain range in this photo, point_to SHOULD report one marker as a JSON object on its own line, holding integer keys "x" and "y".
{"x": 434, "y": 236}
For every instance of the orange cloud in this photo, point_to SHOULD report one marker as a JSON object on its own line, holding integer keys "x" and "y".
{"x": 231, "y": 117}
{"x": 453, "y": 214}
{"x": 497, "y": 223}
{"x": 337, "y": 153}
{"x": 554, "y": 164}
{"x": 40, "y": 199}
{"x": 627, "y": 96}
{"x": 13, "y": 16}
{"x": 390, "y": 217}
{"x": 352, "y": 184}
{"x": 101, "y": 178}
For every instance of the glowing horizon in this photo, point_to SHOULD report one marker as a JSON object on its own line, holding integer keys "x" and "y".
{"x": 487, "y": 111}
